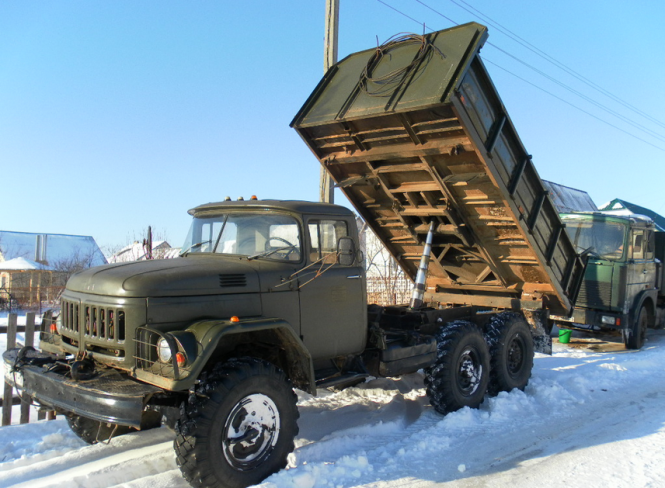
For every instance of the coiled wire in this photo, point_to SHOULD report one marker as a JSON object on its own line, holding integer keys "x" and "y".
{"x": 387, "y": 83}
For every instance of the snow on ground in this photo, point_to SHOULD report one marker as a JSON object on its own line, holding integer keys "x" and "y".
{"x": 587, "y": 419}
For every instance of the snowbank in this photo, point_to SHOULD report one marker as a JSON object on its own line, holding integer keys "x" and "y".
{"x": 587, "y": 419}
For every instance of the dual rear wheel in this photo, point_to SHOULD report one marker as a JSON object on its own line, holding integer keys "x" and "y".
{"x": 470, "y": 364}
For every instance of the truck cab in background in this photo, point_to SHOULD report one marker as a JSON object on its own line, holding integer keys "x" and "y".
{"x": 623, "y": 283}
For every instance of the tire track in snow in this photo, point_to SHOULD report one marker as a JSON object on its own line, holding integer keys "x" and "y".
{"x": 125, "y": 459}
{"x": 581, "y": 392}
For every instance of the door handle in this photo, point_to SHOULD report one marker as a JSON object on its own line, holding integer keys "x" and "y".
{"x": 353, "y": 277}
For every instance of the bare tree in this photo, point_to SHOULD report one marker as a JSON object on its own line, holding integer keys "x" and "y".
{"x": 386, "y": 281}
{"x": 76, "y": 261}
{"x": 137, "y": 247}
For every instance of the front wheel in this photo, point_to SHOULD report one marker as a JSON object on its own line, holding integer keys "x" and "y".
{"x": 239, "y": 428}
{"x": 460, "y": 374}
{"x": 634, "y": 337}
{"x": 93, "y": 431}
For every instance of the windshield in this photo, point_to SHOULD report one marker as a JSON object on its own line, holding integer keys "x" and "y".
{"x": 272, "y": 236}
{"x": 605, "y": 238}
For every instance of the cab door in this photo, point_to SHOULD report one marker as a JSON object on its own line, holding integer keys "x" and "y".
{"x": 641, "y": 272}
{"x": 332, "y": 295}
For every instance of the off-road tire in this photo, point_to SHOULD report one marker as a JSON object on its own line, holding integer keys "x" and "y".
{"x": 460, "y": 374}
{"x": 93, "y": 431}
{"x": 634, "y": 337}
{"x": 206, "y": 455}
{"x": 510, "y": 344}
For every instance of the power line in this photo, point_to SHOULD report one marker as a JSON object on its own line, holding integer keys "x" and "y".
{"x": 583, "y": 96}
{"x": 573, "y": 105}
{"x": 624, "y": 118}
{"x": 555, "y": 62}
{"x": 554, "y": 80}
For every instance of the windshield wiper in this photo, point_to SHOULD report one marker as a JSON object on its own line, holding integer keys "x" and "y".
{"x": 589, "y": 251}
{"x": 198, "y": 244}
{"x": 265, "y": 254}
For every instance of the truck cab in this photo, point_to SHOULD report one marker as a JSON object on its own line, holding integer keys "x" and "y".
{"x": 290, "y": 246}
{"x": 620, "y": 286}
{"x": 247, "y": 269}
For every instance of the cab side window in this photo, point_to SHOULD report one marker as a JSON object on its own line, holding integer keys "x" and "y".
{"x": 650, "y": 245}
{"x": 323, "y": 235}
{"x": 638, "y": 244}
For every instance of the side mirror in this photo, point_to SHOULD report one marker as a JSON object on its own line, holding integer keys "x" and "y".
{"x": 346, "y": 251}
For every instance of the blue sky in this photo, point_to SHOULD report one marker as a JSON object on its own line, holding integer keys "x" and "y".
{"x": 116, "y": 115}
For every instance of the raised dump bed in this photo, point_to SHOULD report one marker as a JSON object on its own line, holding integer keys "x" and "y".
{"x": 413, "y": 132}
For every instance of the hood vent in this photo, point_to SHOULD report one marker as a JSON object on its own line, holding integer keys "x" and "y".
{"x": 229, "y": 280}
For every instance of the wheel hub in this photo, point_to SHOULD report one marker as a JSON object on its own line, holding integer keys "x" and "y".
{"x": 515, "y": 355}
{"x": 251, "y": 431}
{"x": 470, "y": 372}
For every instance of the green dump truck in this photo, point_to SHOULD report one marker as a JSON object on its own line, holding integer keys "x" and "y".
{"x": 270, "y": 295}
{"x": 623, "y": 284}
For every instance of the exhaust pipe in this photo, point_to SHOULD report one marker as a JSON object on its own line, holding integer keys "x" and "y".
{"x": 419, "y": 286}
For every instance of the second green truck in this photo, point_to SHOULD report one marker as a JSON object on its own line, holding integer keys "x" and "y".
{"x": 623, "y": 283}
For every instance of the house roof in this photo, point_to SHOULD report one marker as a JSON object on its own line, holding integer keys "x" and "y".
{"x": 630, "y": 208}
{"x": 22, "y": 264}
{"x": 51, "y": 249}
{"x": 568, "y": 199}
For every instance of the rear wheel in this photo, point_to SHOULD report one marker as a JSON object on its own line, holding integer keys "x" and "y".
{"x": 460, "y": 374}
{"x": 634, "y": 337}
{"x": 511, "y": 350}
{"x": 239, "y": 429}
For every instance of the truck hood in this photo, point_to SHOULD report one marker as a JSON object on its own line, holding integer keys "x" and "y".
{"x": 167, "y": 277}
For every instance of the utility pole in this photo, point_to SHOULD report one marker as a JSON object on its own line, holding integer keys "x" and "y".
{"x": 326, "y": 187}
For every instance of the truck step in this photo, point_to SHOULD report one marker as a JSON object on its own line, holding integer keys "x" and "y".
{"x": 341, "y": 380}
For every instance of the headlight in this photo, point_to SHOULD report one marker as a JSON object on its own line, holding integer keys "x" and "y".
{"x": 606, "y": 319}
{"x": 163, "y": 350}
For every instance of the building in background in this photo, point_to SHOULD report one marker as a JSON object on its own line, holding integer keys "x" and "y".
{"x": 622, "y": 207}
{"x": 567, "y": 199}
{"x": 34, "y": 268}
{"x": 138, "y": 251}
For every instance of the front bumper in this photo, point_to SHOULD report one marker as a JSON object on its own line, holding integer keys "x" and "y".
{"x": 109, "y": 396}
{"x": 587, "y": 319}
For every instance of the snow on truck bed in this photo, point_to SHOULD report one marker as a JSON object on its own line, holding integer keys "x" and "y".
{"x": 587, "y": 419}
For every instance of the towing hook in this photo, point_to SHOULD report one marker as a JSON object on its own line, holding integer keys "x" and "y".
{"x": 21, "y": 358}
{"x": 82, "y": 369}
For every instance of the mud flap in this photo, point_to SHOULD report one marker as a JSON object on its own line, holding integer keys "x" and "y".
{"x": 540, "y": 330}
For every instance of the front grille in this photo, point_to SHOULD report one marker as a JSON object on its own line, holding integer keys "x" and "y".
{"x": 94, "y": 321}
{"x": 595, "y": 294}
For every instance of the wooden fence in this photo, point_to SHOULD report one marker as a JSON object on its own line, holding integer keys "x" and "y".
{"x": 8, "y": 397}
